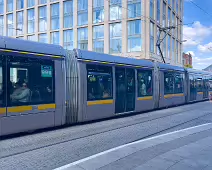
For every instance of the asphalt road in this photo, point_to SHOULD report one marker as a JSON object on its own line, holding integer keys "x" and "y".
{"x": 52, "y": 149}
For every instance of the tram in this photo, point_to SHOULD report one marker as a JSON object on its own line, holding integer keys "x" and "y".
{"x": 44, "y": 85}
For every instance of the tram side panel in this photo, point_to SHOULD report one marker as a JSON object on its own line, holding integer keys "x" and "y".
{"x": 37, "y": 110}
{"x": 98, "y": 92}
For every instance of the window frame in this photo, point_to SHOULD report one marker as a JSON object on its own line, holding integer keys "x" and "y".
{"x": 109, "y": 70}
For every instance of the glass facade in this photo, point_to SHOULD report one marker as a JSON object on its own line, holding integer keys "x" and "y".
{"x": 20, "y": 4}
{"x": 164, "y": 14}
{"x": 42, "y": 38}
{"x": 1, "y": 6}
{"x": 30, "y": 20}
{"x": 152, "y": 41}
{"x": 55, "y": 38}
{"x": 42, "y": 18}
{"x": 115, "y": 9}
{"x": 152, "y": 9}
{"x": 82, "y": 12}
{"x": 98, "y": 11}
{"x": 134, "y": 36}
{"x": 30, "y": 3}
{"x": 20, "y": 23}
{"x": 158, "y": 11}
{"x": 68, "y": 39}
{"x": 83, "y": 38}
{"x": 9, "y": 5}
{"x": 10, "y": 25}
{"x": 55, "y": 20}
{"x": 98, "y": 38}
{"x": 2, "y": 25}
{"x": 134, "y": 8}
{"x": 115, "y": 38}
{"x": 68, "y": 14}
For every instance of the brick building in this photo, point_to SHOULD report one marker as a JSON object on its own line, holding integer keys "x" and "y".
{"x": 187, "y": 59}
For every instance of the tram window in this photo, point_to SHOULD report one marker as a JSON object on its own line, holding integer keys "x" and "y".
{"x": 32, "y": 81}
{"x": 2, "y": 82}
{"x": 199, "y": 84}
{"x": 144, "y": 83}
{"x": 168, "y": 82}
{"x": 210, "y": 84}
{"x": 178, "y": 85}
{"x": 99, "y": 82}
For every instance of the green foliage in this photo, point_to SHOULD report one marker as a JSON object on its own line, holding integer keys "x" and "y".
{"x": 188, "y": 66}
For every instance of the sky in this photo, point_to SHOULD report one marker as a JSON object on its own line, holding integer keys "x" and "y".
{"x": 198, "y": 32}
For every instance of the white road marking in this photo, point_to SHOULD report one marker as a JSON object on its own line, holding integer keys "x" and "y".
{"x": 122, "y": 146}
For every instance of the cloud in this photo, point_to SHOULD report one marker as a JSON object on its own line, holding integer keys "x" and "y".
{"x": 191, "y": 52}
{"x": 207, "y": 48}
{"x": 201, "y": 63}
{"x": 195, "y": 34}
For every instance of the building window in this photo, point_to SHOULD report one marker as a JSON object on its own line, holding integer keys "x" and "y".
{"x": 169, "y": 17}
{"x": 20, "y": 4}
{"x": 55, "y": 38}
{"x": 169, "y": 46}
{"x": 20, "y": 22}
{"x": 145, "y": 83}
{"x": 177, "y": 28}
{"x": 31, "y": 37}
{"x": 181, "y": 4}
{"x": 1, "y": 6}
{"x": 134, "y": 35}
{"x": 152, "y": 41}
{"x": 83, "y": 38}
{"x": 115, "y": 38}
{"x": 177, "y": 49}
{"x": 42, "y": 38}
{"x": 152, "y": 9}
{"x": 99, "y": 82}
{"x": 9, "y": 5}
{"x": 98, "y": 38}
{"x": 173, "y": 49}
{"x": 68, "y": 39}
{"x": 1, "y": 25}
{"x": 10, "y": 25}
{"x": 158, "y": 34}
{"x": 31, "y": 18}
{"x": 173, "y": 5}
{"x": 115, "y": 9}
{"x": 68, "y": 14}
{"x": 173, "y": 23}
{"x": 42, "y": 1}
{"x": 31, "y": 3}
{"x": 55, "y": 21}
{"x": 164, "y": 45}
{"x": 82, "y": 12}
{"x": 134, "y": 8}
{"x": 169, "y": 2}
{"x": 98, "y": 11}
{"x": 164, "y": 14}
{"x": 158, "y": 11}
{"x": 42, "y": 18}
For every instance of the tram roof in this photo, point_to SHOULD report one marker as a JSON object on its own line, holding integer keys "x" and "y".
{"x": 30, "y": 46}
{"x": 170, "y": 67}
{"x": 94, "y": 56}
{"x": 198, "y": 71}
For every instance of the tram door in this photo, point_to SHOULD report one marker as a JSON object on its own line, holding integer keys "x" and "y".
{"x": 193, "y": 90}
{"x": 205, "y": 88}
{"x": 125, "y": 90}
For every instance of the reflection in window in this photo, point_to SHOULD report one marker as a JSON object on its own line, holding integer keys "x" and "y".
{"x": 152, "y": 39}
{"x": 152, "y": 9}
{"x": 178, "y": 83}
{"x": 1, "y": 25}
{"x": 173, "y": 23}
{"x": 42, "y": 18}
{"x": 134, "y": 35}
{"x": 98, "y": 38}
{"x": 82, "y": 12}
{"x": 199, "y": 84}
{"x": 134, "y": 8}
{"x": 164, "y": 14}
{"x": 55, "y": 38}
{"x": 20, "y": 4}
{"x": 177, "y": 6}
{"x": 164, "y": 44}
{"x": 31, "y": 20}
{"x": 68, "y": 14}
{"x": 55, "y": 21}
{"x": 68, "y": 39}
{"x": 144, "y": 83}
{"x": 169, "y": 46}
{"x": 210, "y": 84}
{"x": 31, "y": 37}
{"x": 115, "y": 38}
{"x": 9, "y": 5}
{"x": 2, "y": 85}
{"x": 173, "y": 4}
{"x": 31, "y": 3}
{"x": 173, "y": 49}
{"x": 98, "y": 11}
{"x": 115, "y": 9}
{"x": 168, "y": 83}
{"x": 99, "y": 85}
{"x": 83, "y": 38}
{"x": 10, "y": 25}
{"x": 20, "y": 22}
{"x": 31, "y": 81}
{"x": 169, "y": 17}
{"x": 42, "y": 38}
{"x": 42, "y": 1}
{"x": 1, "y": 6}
{"x": 177, "y": 48}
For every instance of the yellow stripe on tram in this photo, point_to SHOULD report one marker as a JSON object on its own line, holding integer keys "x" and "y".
{"x": 19, "y": 109}
{"x": 46, "y": 106}
{"x": 3, "y": 110}
{"x": 145, "y": 98}
{"x": 99, "y": 102}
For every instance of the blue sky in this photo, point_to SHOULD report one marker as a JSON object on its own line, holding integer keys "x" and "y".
{"x": 198, "y": 34}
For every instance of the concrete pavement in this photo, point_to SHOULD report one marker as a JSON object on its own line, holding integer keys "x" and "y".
{"x": 187, "y": 149}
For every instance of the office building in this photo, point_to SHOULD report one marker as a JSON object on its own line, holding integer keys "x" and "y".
{"x": 119, "y": 27}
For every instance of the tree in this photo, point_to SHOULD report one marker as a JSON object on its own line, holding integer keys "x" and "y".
{"x": 188, "y": 66}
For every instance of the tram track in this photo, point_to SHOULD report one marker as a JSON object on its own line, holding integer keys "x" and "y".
{"x": 113, "y": 129}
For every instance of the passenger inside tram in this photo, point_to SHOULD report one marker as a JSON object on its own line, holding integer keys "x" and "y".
{"x": 143, "y": 88}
